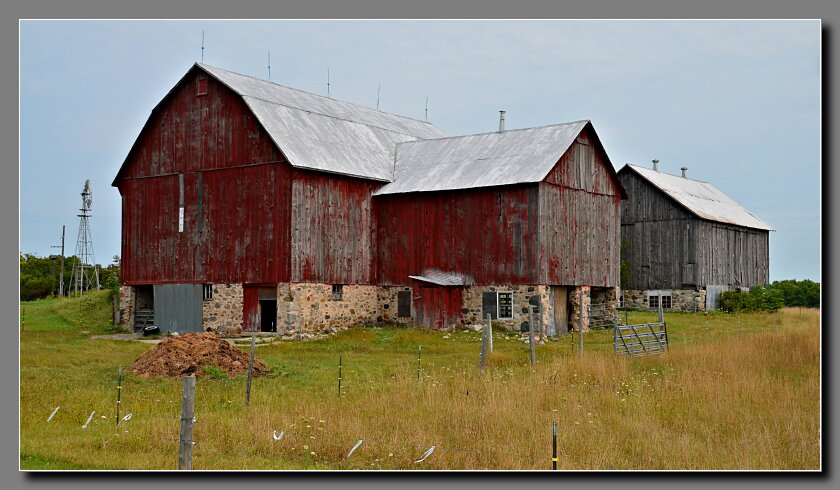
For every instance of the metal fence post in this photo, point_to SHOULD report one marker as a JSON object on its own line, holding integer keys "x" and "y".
{"x": 419, "y": 351}
{"x": 119, "y": 393}
{"x": 554, "y": 448}
{"x": 187, "y": 410}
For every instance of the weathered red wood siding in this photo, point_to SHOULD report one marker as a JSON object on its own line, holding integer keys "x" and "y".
{"x": 488, "y": 233}
{"x": 437, "y": 306}
{"x": 236, "y": 223}
{"x": 332, "y": 232}
{"x": 580, "y": 228}
{"x": 251, "y": 308}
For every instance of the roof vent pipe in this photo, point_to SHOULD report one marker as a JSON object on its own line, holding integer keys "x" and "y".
{"x": 501, "y": 121}
{"x": 656, "y": 165}
{"x": 684, "y": 170}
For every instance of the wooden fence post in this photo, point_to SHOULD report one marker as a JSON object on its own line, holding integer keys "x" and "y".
{"x": 483, "y": 350}
{"x": 187, "y": 407}
{"x": 250, "y": 371}
{"x": 554, "y": 449}
{"x": 489, "y": 334}
{"x": 531, "y": 336}
{"x": 580, "y": 323}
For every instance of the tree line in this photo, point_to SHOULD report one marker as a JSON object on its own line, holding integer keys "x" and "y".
{"x": 773, "y": 297}
{"x": 40, "y": 277}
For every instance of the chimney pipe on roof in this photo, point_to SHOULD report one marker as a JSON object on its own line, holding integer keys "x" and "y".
{"x": 656, "y": 165}
{"x": 501, "y": 121}
{"x": 684, "y": 169}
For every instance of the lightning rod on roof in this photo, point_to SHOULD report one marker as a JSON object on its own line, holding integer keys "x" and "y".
{"x": 427, "y": 109}
{"x": 328, "y": 82}
{"x": 377, "y": 95}
{"x": 202, "y": 45}
{"x": 269, "y": 65}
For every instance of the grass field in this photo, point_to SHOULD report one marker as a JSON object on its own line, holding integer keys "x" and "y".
{"x": 744, "y": 396}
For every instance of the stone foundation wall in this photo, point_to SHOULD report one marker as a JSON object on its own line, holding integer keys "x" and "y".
{"x": 579, "y": 309}
{"x": 386, "y": 299}
{"x": 310, "y": 307}
{"x": 681, "y": 299}
{"x": 523, "y": 298}
{"x": 224, "y": 310}
{"x": 127, "y": 307}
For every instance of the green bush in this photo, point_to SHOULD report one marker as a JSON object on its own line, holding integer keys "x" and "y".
{"x": 32, "y": 288}
{"x": 757, "y": 299}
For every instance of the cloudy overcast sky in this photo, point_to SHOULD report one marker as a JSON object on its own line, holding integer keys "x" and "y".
{"x": 737, "y": 102}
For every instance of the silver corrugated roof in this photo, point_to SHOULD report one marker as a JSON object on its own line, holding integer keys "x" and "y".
{"x": 325, "y": 134}
{"x": 442, "y": 278}
{"x": 701, "y": 198}
{"x": 480, "y": 160}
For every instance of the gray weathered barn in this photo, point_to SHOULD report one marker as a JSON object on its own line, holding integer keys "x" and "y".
{"x": 687, "y": 241}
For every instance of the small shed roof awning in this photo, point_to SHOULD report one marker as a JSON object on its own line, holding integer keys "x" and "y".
{"x": 700, "y": 198}
{"x": 441, "y": 278}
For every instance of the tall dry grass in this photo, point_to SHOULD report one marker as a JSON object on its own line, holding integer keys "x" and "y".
{"x": 746, "y": 398}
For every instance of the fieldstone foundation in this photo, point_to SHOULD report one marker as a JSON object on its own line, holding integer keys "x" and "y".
{"x": 387, "y": 301}
{"x": 523, "y": 298}
{"x": 681, "y": 299}
{"x": 224, "y": 310}
{"x": 311, "y": 307}
{"x": 127, "y": 307}
{"x": 579, "y": 301}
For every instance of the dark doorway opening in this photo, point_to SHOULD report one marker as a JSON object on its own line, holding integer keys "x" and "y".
{"x": 144, "y": 306}
{"x": 268, "y": 315}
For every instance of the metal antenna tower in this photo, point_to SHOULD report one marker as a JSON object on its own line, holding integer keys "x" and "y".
{"x": 85, "y": 273}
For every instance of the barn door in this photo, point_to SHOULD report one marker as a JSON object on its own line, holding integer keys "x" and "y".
{"x": 178, "y": 307}
{"x": 437, "y": 306}
{"x": 251, "y": 308}
{"x": 561, "y": 311}
{"x": 259, "y": 308}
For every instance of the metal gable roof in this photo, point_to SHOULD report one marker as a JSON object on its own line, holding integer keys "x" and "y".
{"x": 701, "y": 198}
{"x": 480, "y": 160}
{"x": 325, "y": 134}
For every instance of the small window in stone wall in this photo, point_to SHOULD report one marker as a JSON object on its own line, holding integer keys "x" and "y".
{"x": 489, "y": 300}
{"x": 337, "y": 292}
{"x": 505, "y": 302}
{"x": 653, "y": 300}
{"x": 208, "y": 292}
{"x": 404, "y": 304}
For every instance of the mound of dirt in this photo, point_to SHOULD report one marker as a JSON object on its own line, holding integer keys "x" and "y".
{"x": 191, "y": 353}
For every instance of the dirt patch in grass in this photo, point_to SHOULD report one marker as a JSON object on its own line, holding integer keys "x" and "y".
{"x": 191, "y": 353}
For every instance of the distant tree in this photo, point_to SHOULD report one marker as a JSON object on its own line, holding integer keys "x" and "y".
{"x": 624, "y": 266}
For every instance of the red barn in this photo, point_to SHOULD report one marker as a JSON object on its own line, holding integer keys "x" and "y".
{"x": 246, "y": 203}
